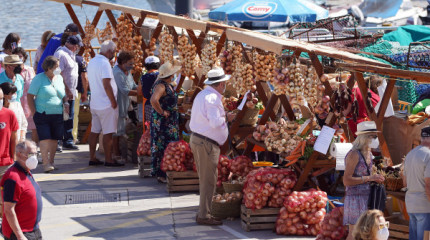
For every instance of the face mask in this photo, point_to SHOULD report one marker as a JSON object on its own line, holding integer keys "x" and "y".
{"x": 57, "y": 71}
{"x": 17, "y": 70}
{"x": 374, "y": 143}
{"x": 1, "y": 104}
{"x": 128, "y": 68}
{"x": 382, "y": 234}
{"x": 14, "y": 97}
{"x": 31, "y": 162}
{"x": 19, "y": 45}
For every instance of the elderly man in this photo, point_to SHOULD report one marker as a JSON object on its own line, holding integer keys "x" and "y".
{"x": 104, "y": 110}
{"x": 416, "y": 178}
{"x": 12, "y": 74}
{"x": 54, "y": 43}
{"x": 69, "y": 71}
{"x": 22, "y": 197}
{"x": 209, "y": 131}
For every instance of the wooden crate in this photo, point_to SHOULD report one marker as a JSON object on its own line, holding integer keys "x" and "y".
{"x": 258, "y": 219}
{"x": 399, "y": 229}
{"x": 182, "y": 181}
{"x": 144, "y": 166}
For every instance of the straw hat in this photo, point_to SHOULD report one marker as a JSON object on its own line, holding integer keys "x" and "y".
{"x": 366, "y": 127}
{"x": 12, "y": 59}
{"x": 168, "y": 69}
{"x": 216, "y": 75}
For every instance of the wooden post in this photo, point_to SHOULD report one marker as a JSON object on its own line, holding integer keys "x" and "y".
{"x": 111, "y": 18}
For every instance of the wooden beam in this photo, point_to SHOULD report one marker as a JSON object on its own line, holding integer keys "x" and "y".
{"x": 111, "y": 18}
{"x": 287, "y": 106}
{"x": 268, "y": 108}
{"x": 74, "y": 18}
{"x": 220, "y": 43}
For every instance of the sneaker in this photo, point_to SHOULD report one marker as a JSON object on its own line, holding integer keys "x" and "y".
{"x": 70, "y": 147}
{"x": 48, "y": 168}
{"x": 59, "y": 149}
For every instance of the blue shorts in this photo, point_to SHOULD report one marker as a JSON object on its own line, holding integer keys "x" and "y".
{"x": 49, "y": 126}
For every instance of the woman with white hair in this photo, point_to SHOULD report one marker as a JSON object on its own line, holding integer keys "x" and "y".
{"x": 358, "y": 168}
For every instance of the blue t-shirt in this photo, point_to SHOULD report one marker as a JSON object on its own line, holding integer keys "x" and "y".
{"x": 19, "y": 83}
{"x": 53, "y": 44}
{"x": 147, "y": 81}
{"x": 49, "y": 97}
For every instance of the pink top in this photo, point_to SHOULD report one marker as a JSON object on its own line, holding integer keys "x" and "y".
{"x": 28, "y": 75}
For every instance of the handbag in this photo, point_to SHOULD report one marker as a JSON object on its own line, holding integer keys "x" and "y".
{"x": 65, "y": 105}
{"x": 377, "y": 196}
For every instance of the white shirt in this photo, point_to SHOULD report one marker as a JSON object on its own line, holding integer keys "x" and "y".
{"x": 2, "y": 56}
{"x": 69, "y": 68}
{"x": 99, "y": 68}
{"x": 208, "y": 116}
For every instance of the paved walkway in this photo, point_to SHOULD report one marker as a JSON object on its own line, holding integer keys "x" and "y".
{"x": 149, "y": 213}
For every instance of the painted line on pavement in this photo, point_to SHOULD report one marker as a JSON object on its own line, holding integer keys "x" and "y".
{"x": 235, "y": 233}
{"x": 61, "y": 174}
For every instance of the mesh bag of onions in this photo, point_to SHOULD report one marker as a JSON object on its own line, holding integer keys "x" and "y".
{"x": 175, "y": 157}
{"x": 332, "y": 226}
{"x": 224, "y": 164}
{"x": 302, "y": 213}
{"x": 241, "y": 166}
{"x": 144, "y": 148}
{"x": 267, "y": 185}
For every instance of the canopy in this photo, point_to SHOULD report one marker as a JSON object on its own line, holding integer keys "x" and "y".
{"x": 380, "y": 8}
{"x": 269, "y": 11}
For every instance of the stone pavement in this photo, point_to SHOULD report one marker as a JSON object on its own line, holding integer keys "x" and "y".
{"x": 148, "y": 213}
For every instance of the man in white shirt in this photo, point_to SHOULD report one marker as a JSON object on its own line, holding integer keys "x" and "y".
{"x": 103, "y": 103}
{"x": 69, "y": 72}
{"x": 210, "y": 130}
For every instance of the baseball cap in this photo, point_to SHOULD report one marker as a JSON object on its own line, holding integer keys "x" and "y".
{"x": 72, "y": 28}
{"x": 152, "y": 59}
{"x": 74, "y": 40}
{"x": 425, "y": 132}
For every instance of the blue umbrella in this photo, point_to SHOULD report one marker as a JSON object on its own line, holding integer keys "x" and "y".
{"x": 269, "y": 11}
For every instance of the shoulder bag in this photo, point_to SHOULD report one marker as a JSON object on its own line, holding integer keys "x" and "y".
{"x": 377, "y": 196}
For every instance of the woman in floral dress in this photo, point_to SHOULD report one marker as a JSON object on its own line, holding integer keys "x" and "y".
{"x": 165, "y": 117}
{"x": 358, "y": 165}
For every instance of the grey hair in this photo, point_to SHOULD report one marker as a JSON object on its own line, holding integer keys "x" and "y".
{"x": 361, "y": 142}
{"x": 107, "y": 45}
{"x": 24, "y": 145}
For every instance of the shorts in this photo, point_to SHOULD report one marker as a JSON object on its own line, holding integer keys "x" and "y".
{"x": 121, "y": 127}
{"x": 105, "y": 120}
{"x": 49, "y": 126}
{"x": 33, "y": 235}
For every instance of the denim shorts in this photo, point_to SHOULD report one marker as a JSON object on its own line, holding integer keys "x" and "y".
{"x": 49, "y": 126}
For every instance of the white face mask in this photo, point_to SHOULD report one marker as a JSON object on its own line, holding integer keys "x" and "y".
{"x": 19, "y": 44}
{"x": 382, "y": 234}
{"x": 14, "y": 97}
{"x": 375, "y": 143}
{"x": 32, "y": 162}
{"x": 57, "y": 71}
{"x": 1, "y": 104}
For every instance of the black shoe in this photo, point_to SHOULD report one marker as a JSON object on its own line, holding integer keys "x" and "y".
{"x": 70, "y": 147}
{"x": 95, "y": 163}
{"x": 114, "y": 164}
{"x": 59, "y": 149}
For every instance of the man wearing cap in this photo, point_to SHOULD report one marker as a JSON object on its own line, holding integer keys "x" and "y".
{"x": 54, "y": 43}
{"x": 416, "y": 177}
{"x": 69, "y": 71}
{"x": 152, "y": 63}
{"x": 12, "y": 74}
{"x": 209, "y": 131}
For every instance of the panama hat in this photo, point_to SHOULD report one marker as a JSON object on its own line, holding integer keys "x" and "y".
{"x": 366, "y": 127}
{"x": 216, "y": 75}
{"x": 12, "y": 59}
{"x": 168, "y": 69}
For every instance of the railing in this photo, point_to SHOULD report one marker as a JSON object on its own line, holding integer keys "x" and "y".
{"x": 30, "y": 51}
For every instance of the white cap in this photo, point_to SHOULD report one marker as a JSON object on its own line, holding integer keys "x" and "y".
{"x": 152, "y": 59}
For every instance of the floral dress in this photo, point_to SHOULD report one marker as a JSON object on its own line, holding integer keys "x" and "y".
{"x": 356, "y": 196}
{"x": 163, "y": 130}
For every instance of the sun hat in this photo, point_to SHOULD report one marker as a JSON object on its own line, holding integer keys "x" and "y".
{"x": 152, "y": 59}
{"x": 366, "y": 127}
{"x": 12, "y": 59}
{"x": 216, "y": 75}
{"x": 168, "y": 69}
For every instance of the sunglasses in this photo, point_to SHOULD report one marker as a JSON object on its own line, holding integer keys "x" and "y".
{"x": 384, "y": 225}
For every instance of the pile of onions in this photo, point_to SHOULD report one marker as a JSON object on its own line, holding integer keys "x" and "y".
{"x": 144, "y": 148}
{"x": 244, "y": 78}
{"x": 189, "y": 160}
{"x": 166, "y": 46}
{"x": 302, "y": 213}
{"x": 263, "y": 186}
{"x": 208, "y": 57}
{"x": 332, "y": 226}
{"x": 90, "y": 33}
{"x": 264, "y": 66}
{"x": 227, "y": 197}
{"x": 175, "y": 156}
{"x": 226, "y": 58}
{"x": 224, "y": 164}
{"x": 282, "y": 190}
{"x": 105, "y": 34}
{"x": 282, "y": 136}
{"x": 241, "y": 166}
{"x": 130, "y": 43}
{"x": 187, "y": 55}
{"x": 151, "y": 47}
